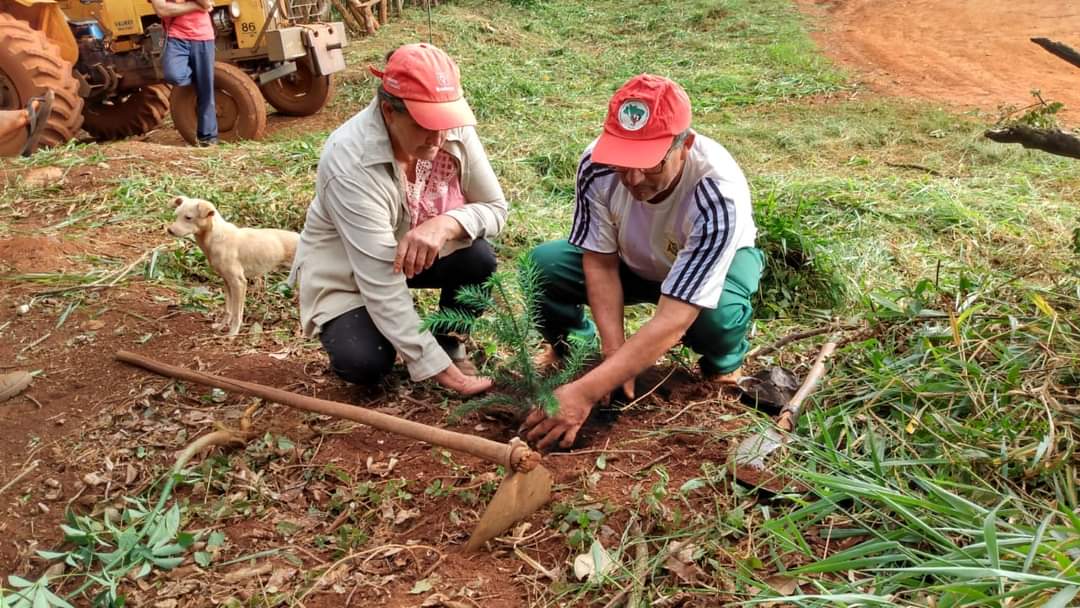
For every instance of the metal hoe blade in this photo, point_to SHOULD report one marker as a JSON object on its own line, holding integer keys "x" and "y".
{"x": 519, "y": 496}
{"x": 752, "y": 451}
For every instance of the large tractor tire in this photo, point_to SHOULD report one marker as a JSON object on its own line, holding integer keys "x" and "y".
{"x": 128, "y": 114}
{"x": 30, "y": 64}
{"x": 301, "y": 93}
{"x": 241, "y": 111}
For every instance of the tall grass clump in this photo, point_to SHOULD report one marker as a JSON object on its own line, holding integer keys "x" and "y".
{"x": 943, "y": 459}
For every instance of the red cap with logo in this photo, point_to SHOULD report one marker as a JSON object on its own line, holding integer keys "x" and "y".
{"x": 427, "y": 79}
{"x": 642, "y": 121}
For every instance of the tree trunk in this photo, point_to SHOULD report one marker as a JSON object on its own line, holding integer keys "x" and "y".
{"x": 1047, "y": 140}
{"x": 348, "y": 18}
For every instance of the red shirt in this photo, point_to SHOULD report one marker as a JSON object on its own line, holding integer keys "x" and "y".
{"x": 189, "y": 26}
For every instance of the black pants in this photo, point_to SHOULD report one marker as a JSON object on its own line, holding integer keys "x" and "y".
{"x": 360, "y": 354}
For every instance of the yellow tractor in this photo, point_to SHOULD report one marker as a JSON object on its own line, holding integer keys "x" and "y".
{"x": 102, "y": 60}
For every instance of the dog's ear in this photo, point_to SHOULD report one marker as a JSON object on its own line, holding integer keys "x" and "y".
{"x": 178, "y": 201}
{"x": 205, "y": 209}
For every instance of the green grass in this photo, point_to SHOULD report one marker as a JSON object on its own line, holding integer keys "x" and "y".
{"x": 941, "y": 450}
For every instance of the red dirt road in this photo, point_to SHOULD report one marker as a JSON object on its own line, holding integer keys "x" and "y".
{"x": 966, "y": 53}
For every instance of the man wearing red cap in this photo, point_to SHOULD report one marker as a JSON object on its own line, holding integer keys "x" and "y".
{"x": 405, "y": 197}
{"x": 662, "y": 216}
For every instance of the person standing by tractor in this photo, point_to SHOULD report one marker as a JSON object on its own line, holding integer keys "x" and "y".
{"x": 188, "y": 57}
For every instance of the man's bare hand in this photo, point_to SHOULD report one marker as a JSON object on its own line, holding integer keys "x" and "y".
{"x": 420, "y": 247}
{"x": 206, "y": 4}
{"x": 463, "y": 384}
{"x": 573, "y": 410}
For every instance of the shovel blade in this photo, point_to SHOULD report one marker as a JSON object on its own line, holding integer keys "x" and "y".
{"x": 752, "y": 451}
{"x": 519, "y": 496}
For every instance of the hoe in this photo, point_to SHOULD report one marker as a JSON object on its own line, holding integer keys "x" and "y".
{"x": 526, "y": 489}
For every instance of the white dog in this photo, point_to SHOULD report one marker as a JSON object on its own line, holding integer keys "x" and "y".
{"x": 236, "y": 254}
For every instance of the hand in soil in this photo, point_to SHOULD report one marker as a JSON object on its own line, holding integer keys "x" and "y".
{"x": 573, "y": 410}
{"x": 457, "y": 381}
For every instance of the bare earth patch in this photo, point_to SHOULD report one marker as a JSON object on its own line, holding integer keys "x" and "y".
{"x": 966, "y": 54}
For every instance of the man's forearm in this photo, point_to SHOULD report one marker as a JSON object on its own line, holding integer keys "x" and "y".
{"x": 605, "y": 294}
{"x": 660, "y": 333}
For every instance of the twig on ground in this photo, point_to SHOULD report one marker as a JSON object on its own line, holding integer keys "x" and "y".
{"x": 632, "y": 593}
{"x": 682, "y": 411}
{"x": 22, "y": 474}
{"x": 597, "y": 451}
{"x": 799, "y": 335}
{"x": 369, "y": 553}
{"x": 662, "y": 457}
{"x": 648, "y": 392}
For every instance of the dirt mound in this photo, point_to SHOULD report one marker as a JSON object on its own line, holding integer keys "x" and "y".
{"x": 35, "y": 254}
{"x": 967, "y": 54}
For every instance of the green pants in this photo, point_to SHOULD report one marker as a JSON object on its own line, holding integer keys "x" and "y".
{"x": 718, "y": 334}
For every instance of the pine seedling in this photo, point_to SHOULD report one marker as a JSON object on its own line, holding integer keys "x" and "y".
{"x": 512, "y": 305}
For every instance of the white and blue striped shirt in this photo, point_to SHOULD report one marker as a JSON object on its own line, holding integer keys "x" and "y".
{"x": 687, "y": 240}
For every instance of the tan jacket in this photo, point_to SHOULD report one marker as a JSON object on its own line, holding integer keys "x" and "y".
{"x": 346, "y": 253}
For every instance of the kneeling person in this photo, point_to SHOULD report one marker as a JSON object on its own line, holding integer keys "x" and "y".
{"x": 405, "y": 197}
{"x": 662, "y": 216}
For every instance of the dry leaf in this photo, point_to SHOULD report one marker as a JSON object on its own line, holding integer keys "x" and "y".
{"x": 243, "y": 574}
{"x": 45, "y": 176}
{"x": 783, "y": 585}
{"x": 279, "y": 578}
{"x": 439, "y": 600}
{"x": 405, "y": 515}
{"x": 594, "y": 564}
{"x": 93, "y": 479}
{"x": 681, "y": 561}
{"x": 380, "y": 469}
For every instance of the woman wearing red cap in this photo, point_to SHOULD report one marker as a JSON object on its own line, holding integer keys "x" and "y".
{"x": 405, "y": 197}
{"x": 663, "y": 216}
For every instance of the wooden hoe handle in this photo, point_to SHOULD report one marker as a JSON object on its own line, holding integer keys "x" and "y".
{"x": 515, "y": 456}
{"x": 790, "y": 414}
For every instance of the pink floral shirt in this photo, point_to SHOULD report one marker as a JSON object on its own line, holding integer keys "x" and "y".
{"x": 437, "y": 188}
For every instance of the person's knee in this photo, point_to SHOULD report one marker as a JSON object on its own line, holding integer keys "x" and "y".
{"x": 548, "y": 257}
{"x": 175, "y": 73}
{"x": 365, "y": 366}
{"x": 720, "y": 331}
{"x": 482, "y": 262}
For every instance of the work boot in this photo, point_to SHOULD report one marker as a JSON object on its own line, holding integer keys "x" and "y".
{"x": 13, "y": 383}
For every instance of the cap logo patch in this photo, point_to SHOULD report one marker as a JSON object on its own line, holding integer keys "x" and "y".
{"x": 633, "y": 115}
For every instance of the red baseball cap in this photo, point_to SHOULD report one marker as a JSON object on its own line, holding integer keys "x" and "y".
{"x": 427, "y": 79}
{"x": 643, "y": 118}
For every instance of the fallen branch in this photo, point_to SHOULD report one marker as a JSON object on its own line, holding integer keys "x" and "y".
{"x": 1053, "y": 141}
{"x": 793, "y": 337}
{"x": 1059, "y": 50}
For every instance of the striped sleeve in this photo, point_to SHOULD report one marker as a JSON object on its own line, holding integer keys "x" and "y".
{"x": 700, "y": 268}
{"x": 593, "y": 228}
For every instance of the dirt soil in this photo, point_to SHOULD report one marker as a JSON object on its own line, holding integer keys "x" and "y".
{"x": 91, "y": 430}
{"x": 969, "y": 55}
